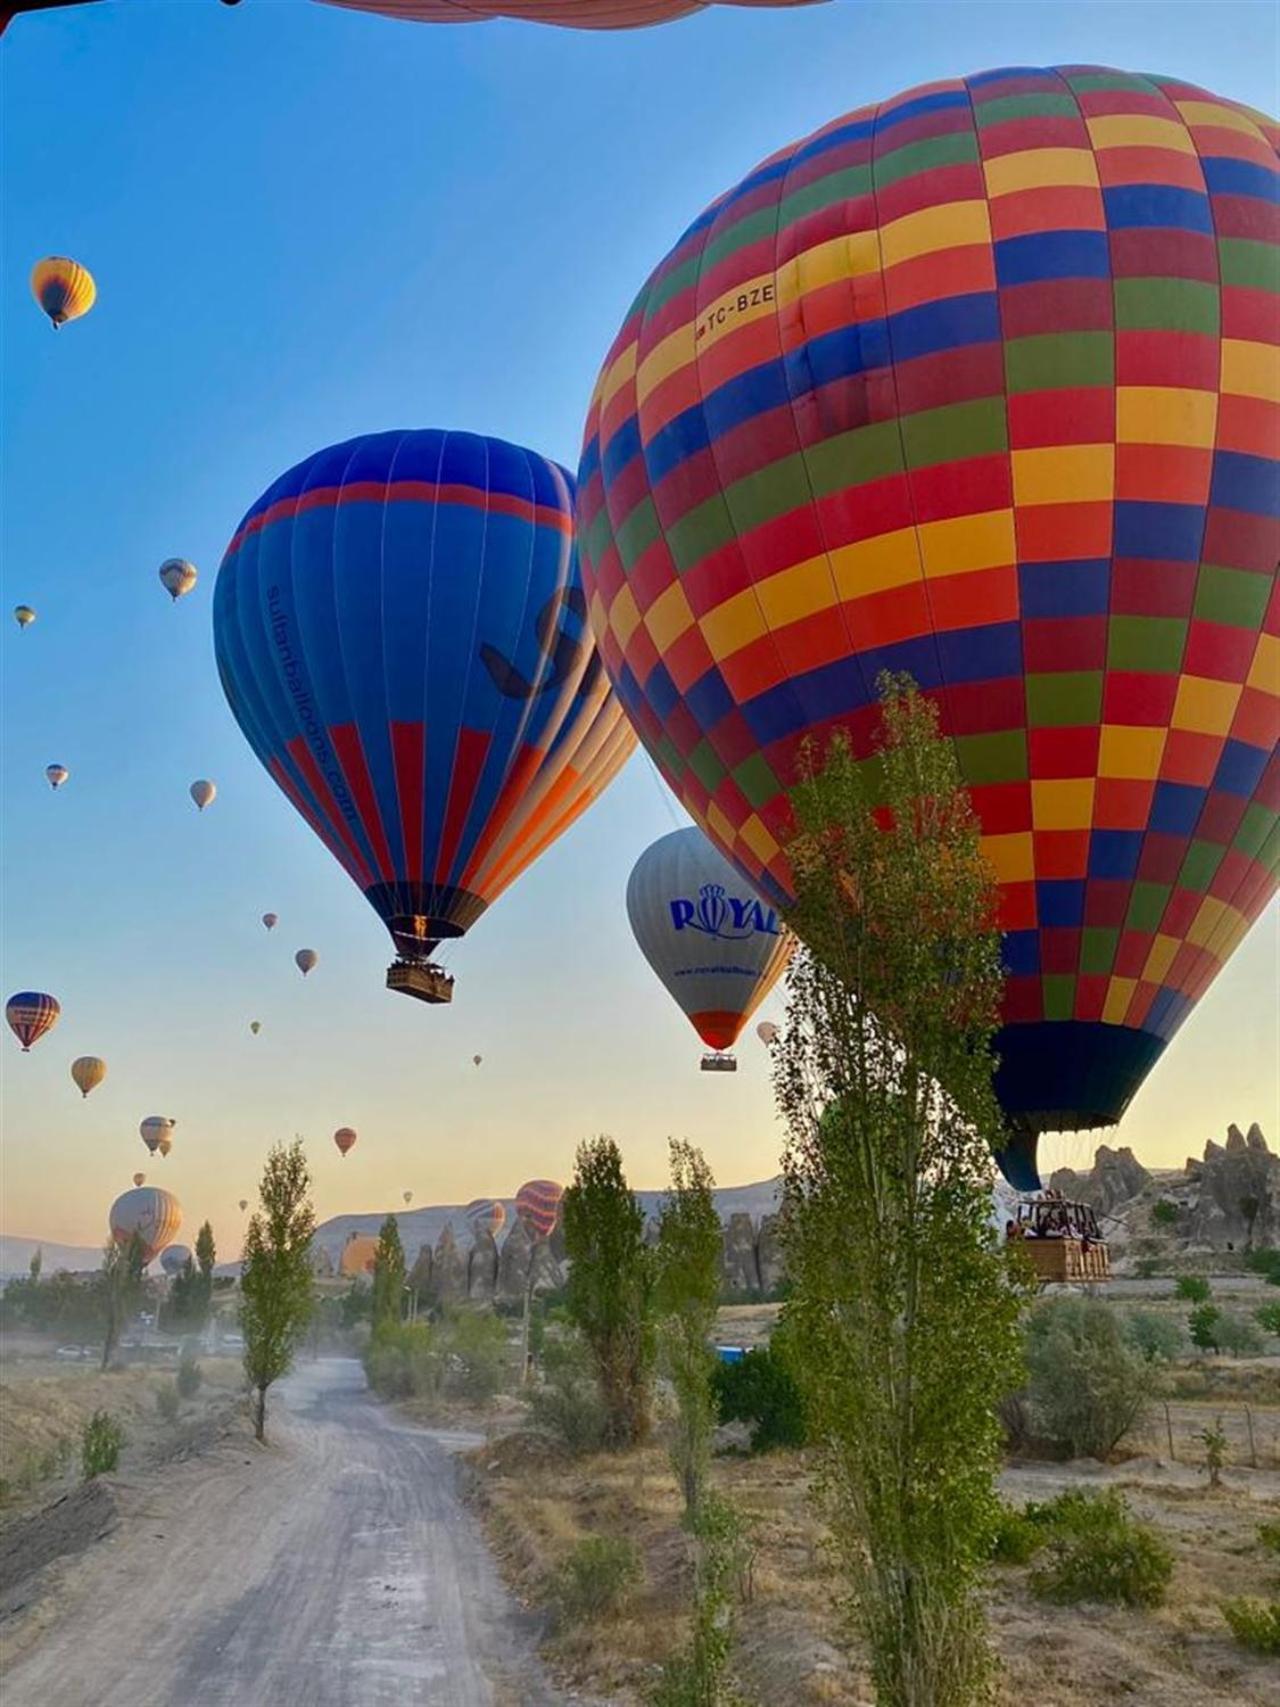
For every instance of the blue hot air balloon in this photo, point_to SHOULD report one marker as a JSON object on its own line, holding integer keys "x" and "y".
{"x": 401, "y": 632}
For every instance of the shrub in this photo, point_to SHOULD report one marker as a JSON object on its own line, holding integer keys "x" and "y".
{"x": 168, "y": 1402}
{"x": 1266, "y": 1263}
{"x": 1087, "y": 1387}
{"x": 1202, "y": 1325}
{"x": 566, "y": 1403}
{"x": 1254, "y": 1623}
{"x": 1215, "y": 1451}
{"x": 1269, "y": 1536}
{"x": 1268, "y": 1318}
{"x": 596, "y": 1576}
{"x": 190, "y": 1375}
{"x": 472, "y": 1345}
{"x": 1018, "y": 1537}
{"x": 1159, "y": 1338}
{"x": 1238, "y": 1335}
{"x": 1193, "y": 1287}
{"x": 696, "y": 1676}
{"x": 1097, "y": 1550}
{"x": 100, "y": 1444}
{"x": 1165, "y": 1213}
{"x": 401, "y": 1362}
{"x": 760, "y": 1390}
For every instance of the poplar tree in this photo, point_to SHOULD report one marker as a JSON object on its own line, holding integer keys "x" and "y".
{"x": 276, "y": 1280}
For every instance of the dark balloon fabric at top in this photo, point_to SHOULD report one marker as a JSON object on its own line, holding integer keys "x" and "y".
{"x": 978, "y": 384}
{"x": 400, "y": 631}
{"x": 571, "y": 14}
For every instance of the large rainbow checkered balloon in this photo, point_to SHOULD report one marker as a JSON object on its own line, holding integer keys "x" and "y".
{"x": 979, "y": 384}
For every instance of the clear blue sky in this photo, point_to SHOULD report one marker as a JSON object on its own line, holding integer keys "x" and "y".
{"x": 307, "y": 223}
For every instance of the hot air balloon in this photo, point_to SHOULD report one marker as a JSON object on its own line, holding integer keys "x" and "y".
{"x": 64, "y": 289}
{"x": 244, "y": 1204}
{"x": 538, "y": 1206}
{"x": 305, "y": 959}
{"x": 157, "y": 1130}
{"x": 139, "y": 1179}
{"x": 344, "y": 1138}
{"x": 766, "y": 1031}
{"x": 177, "y": 577}
{"x": 255, "y": 1026}
{"x": 174, "y": 1259}
{"x": 486, "y": 1215}
{"x": 401, "y": 634}
{"x": 969, "y": 385}
{"x": 30, "y": 1014}
{"x": 56, "y": 776}
{"x": 154, "y": 1215}
{"x": 88, "y": 1071}
{"x": 23, "y": 615}
{"x": 569, "y": 14}
{"x": 712, "y": 941}
{"x": 270, "y": 920}
{"x": 476, "y": 1060}
{"x": 203, "y": 792}
{"x": 408, "y": 1197}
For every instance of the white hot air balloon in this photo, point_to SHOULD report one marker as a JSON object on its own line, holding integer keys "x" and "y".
{"x": 155, "y": 1130}
{"x": 712, "y": 941}
{"x": 203, "y": 792}
{"x": 56, "y": 775}
{"x": 154, "y": 1215}
{"x": 177, "y": 577}
{"x": 305, "y": 959}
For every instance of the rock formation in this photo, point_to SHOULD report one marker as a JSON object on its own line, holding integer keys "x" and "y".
{"x": 448, "y": 1270}
{"x": 770, "y": 1261}
{"x": 420, "y": 1274}
{"x": 1239, "y": 1198}
{"x": 1116, "y": 1177}
{"x": 482, "y": 1268}
{"x": 513, "y": 1263}
{"x": 741, "y": 1272}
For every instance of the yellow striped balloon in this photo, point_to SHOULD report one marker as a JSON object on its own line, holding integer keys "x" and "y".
{"x": 88, "y": 1071}
{"x": 64, "y": 289}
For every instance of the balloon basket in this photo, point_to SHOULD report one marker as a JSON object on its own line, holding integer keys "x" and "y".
{"x": 421, "y": 980}
{"x": 719, "y": 1063}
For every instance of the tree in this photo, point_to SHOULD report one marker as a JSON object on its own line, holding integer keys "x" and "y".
{"x": 276, "y": 1279}
{"x": 191, "y": 1294}
{"x": 1202, "y": 1324}
{"x": 687, "y": 1284}
{"x": 904, "y": 1310}
{"x": 609, "y": 1292}
{"x": 36, "y": 1264}
{"x": 388, "y": 1275}
{"x": 1091, "y": 1377}
{"x": 121, "y": 1284}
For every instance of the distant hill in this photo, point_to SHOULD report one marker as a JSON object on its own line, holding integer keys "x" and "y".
{"x": 424, "y": 1226}
{"x": 16, "y": 1254}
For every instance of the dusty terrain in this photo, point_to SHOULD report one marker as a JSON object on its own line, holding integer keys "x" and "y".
{"x": 336, "y": 1567}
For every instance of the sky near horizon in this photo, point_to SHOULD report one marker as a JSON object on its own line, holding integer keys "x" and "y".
{"x": 308, "y": 223}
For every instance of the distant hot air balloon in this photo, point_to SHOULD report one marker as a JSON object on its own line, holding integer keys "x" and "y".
{"x": 23, "y": 615}
{"x": 966, "y": 386}
{"x": 56, "y": 775}
{"x": 139, "y": 1179}
{"x": 165, "y": 1144}
{"x": 244, "y": 1204}
{"x": 31, "y": 1014}
{"x": 177, "y": 577}
{"x": 203, "y": 792}
{"x": 486, "y": 1215}
{"x": 476, "y": 1060}
{"x": 255, "y": 1026}
{"x": 270, "y": 920}
{"x": 174, "y": 1259}
{"x": 344, "y": 1138}
{"x": 569, "y": 14}
{"x": 155, "y": 1130}
{"x": 408, "y": 1197}
{"x": 88, "y": 1071}
{"x": 712, "y": 941}
{"x": 538, "y": 1206}
{"x": 154, "y": 1215}
{"x": 64, "y": 289}
{"x": 766, "y": 1031}
{"x": 402, "y": 637}
{"x": 305, "y": 959}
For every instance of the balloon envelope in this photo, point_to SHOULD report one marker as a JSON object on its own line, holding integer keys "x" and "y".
{"x": 344, "y": 1138}
{"x": 164, "y": 1144}
{"x": 927, "y": 393}
{"x": 270, "y": 920}
{"x": 154, "y": 1215}
{"x": 157, "y": 1132}
{"x": 569, "y": 14}
{"x": 305, "y": 959}
{"x": 64, "y": 289}
{"x": 486, "y": 1215}
{"x": 56, "y": 775}
{"x": 716, "y": 946}
{"x": 139, "y": 1179}
{"x": 401, "y": 634}
{"x": 174, "y": 1259}
{"x": 255, "y": 1026}
{"x": 177, "y": 577}
{"x": 538, "y": 1206}
{"x": 31, "y": 1013}
{"x": 766, "y": 1031}
{"x": 23, "y": 615}
{"x": 408, "y": 1197}
{"x": 203, "y": 792}
{"x": 88, "y": 1071}
{"x": 244, "y": 1204}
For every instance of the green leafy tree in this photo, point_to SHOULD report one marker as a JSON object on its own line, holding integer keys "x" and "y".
{"x": 276, "y": 1280}
{"x": 1090, "y": 1379}
{"x": 904, "y": 1310}
{"x": 1202, "y": 1325}
{"x": 120, "y": 1280}
{"x": 1194, "y": 1288}
{"x": 191, "y": 1292}
{"x": 687, "y": 1284}
{"x": 35, "y": 1266}
{"x": 388, "y": 1276}
{"x": 609, "y": 1296}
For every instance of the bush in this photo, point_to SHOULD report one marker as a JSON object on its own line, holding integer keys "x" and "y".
{"x": 1254, "y": 1623}
{"x": 596, "y": 1576}
{"x": 473, "y": 1347}
{"x": 168, "y": 1402}
{"x": 566, "y": 1403}
{"x": 1238, "y": 1334}
{"x": 1193, "y": 1287}
{"x": 1269, "y": 1536}
{"x": 1097, "y": 1550}
{"x": 1266, "y": 1263}
{"x": 1087, "y": 1387}
{"x": 1165, "y": 1213}
{"x": 100, "y": 1444}
{"x": 760, "y": 1390}
{"x": 190, "y": 1375}
{"x": 1202, "y": 1324}
{"x": 1159, "y": 1338}
{"x": 400, "y": 1361}
{"x": 1268, "y": 1318}
{"x": 1018, "y": 1536}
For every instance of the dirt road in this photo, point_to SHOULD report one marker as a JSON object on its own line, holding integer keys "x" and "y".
{"x": 335, "y": 1568}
